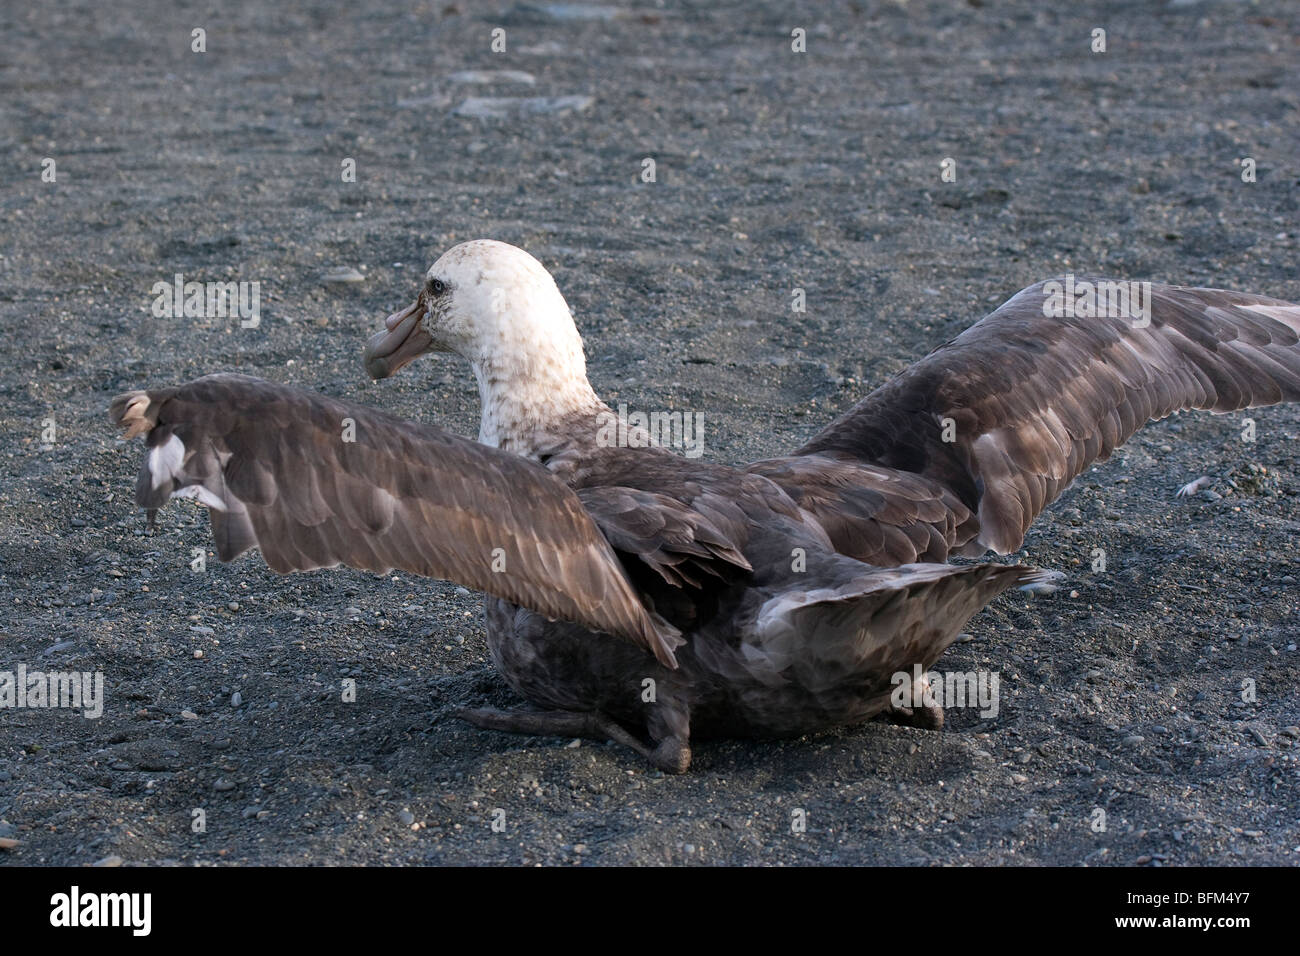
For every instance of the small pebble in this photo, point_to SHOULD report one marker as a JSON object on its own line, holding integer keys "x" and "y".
{"x": 1040, "y": 588}
{"x": 493, "y": 76}
{"x": 406, "y": 818}
{"x": 189, "y": 715}
{"x": 236, "y": 699}
{"x": 109, "y": 861}
{"x": 342, "y": 275}
{"x": 506, "y": 107}
{"x": 222, "y": 785}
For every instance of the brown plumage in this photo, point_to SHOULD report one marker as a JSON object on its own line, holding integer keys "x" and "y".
{"x": 776, "y": 599}
{"x": 1036, "y": 400}
{"x": 315, "y": 482}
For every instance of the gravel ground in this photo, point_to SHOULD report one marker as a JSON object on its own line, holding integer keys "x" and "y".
{"x": 774, "y": 169}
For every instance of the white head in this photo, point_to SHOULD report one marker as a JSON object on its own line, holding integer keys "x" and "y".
{"x": 496, "y": 306}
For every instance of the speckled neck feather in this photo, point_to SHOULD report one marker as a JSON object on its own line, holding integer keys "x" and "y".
{"x": 533, "y": 389}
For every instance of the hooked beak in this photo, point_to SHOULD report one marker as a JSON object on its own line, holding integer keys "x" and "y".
{"x": 402, "y": 341}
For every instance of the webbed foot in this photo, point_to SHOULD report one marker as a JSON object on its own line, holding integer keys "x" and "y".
{"x": 671, "y": 755}
{"x": 925, "y": 717}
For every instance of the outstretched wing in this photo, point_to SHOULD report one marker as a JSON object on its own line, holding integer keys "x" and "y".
{"x": 315, "y": 482}
{"x": 1030, "y": 401}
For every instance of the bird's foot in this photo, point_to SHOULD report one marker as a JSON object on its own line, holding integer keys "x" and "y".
{"x": 671, "y": 755}
{"x": 925, "y": 717}
{"x": 926, "y": 713}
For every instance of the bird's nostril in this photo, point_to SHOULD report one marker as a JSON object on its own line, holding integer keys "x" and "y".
{"x": 394, "y": 320}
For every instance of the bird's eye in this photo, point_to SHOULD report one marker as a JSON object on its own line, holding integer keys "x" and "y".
{"x": 437, "y": 287}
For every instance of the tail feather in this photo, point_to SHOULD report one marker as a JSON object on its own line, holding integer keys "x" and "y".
{"x": 884, "y": 621}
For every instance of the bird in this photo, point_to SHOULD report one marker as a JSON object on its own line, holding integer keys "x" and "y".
{"x": 639, "y": 596}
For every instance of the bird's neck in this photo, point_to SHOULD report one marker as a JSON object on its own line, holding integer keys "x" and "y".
{"x": 535, "y": 399}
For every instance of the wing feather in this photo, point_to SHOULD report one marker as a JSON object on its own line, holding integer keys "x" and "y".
{"x": 287, "y": 472}
{"x": 1037, "y": 399}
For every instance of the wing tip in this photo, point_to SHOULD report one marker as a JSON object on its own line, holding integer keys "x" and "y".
{"x": 663, "y": 639}
{"x": 1037, "y": 581}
